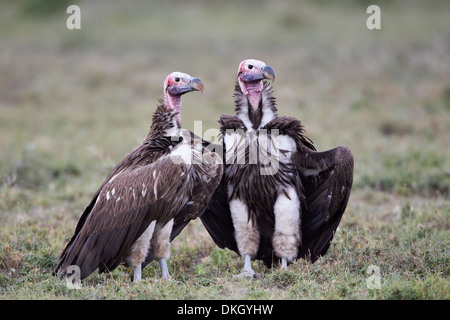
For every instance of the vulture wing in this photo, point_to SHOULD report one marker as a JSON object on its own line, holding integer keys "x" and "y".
{"x": 217, "y": 219}
{"x": 327, "y": 179}
{"x": 205, "y": 184}
{"x": 121, "y": 211}
{"x": 207, "y": 176}
{"x": 208, "y": 173}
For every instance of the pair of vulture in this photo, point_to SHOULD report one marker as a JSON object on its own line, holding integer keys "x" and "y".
{"x": 266, "y": 193}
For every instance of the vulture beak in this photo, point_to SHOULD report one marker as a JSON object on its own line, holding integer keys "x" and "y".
{"x": 197, "y": 84}
{"x": 268, "y": 73}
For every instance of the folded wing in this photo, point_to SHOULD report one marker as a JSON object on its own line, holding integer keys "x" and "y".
{"x": 121, "y": 211}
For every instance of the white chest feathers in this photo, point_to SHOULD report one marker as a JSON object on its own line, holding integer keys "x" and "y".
{"x": 187, "y": 151}
{"x": 182, "y": 153}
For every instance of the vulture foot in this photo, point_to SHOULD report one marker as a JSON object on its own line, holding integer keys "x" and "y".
{"x": 164, "y": 270}
{"x": 248, "y": 272}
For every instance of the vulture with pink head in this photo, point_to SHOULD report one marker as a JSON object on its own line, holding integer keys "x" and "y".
{"x": 279, "y": 198}
{"x": 149, "y": 197}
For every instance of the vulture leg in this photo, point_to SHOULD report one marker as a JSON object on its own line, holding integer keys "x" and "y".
{"x": 286, "y": 237}
{"x": 160, "y": 246}
{"x": 247, "y": 235}
{"x": 164, "y": 270}
{"x": 248, "y": 271}
{"x": 137, "y": 274}
{"x": 139, "y": 251}
{"x": 283, "y": 263}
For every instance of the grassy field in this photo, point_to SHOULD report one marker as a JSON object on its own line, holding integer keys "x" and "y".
{"x": 73, "y": 103}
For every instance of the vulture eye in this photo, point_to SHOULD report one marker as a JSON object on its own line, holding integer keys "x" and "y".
{"x": 250, "y": 66}
{"x": 177, "y": 79}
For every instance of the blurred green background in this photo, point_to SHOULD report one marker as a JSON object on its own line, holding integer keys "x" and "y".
{"x": 73, "y": 103}
{"x": 68, "y": 97}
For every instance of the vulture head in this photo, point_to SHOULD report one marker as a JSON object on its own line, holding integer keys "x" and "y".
{"x": 177, "y": 84}
{"x": 251, "y": 74}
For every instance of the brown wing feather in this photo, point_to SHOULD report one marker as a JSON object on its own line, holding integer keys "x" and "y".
{"x": 327, "y": 179}
{"x": 217, "y": 219}
{"x": 123, "y": 208}
{"x": 206, "y": 178}
{"x": 143, "y": 155}
{"x": 206, "y": 181}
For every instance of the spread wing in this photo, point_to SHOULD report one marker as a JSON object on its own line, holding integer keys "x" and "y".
{"x": 120, "y": 212}
{"x": 327, "y": 179}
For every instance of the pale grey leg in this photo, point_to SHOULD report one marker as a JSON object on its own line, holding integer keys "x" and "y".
{"x": 161, "y": 246}
{"x": 286, "y": 236}
{"x": 283, "y": 263}
{"x": 248, "y": 271}
{"x": 137, "y": 273}
{"x": 164, "y": 270}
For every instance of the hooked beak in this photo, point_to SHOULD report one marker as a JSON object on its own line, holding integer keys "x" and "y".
{"x": 197, "y": 85}
{"x": 268, "y": 73}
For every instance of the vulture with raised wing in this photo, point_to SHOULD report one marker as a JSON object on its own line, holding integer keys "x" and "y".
{"x": 165, "y": 182}
{"x": 279, "y": 198}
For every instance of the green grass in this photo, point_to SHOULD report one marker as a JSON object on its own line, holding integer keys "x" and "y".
{"x": 74, "y": 103}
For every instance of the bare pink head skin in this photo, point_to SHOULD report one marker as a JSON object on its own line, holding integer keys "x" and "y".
{"x": 251, "y": 74}
{"x": 177, "y": 84}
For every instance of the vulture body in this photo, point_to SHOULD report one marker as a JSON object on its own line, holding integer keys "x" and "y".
{"x": 153, "y": 189}
{"x": 279, "y": 198}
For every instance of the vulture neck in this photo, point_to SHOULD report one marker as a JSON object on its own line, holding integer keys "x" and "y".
{"x": 166, "y": 121}
{"x": 255, "y": 109}
{"x": 173, "y": 103}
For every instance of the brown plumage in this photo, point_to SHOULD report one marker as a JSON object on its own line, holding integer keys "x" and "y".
{"x": 290, "y": 213}
{"x": 205, "y": 183}
{"x": 132, "y": 212}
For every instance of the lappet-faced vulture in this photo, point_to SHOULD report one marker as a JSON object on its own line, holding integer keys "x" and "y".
{"x": 279, "y": 198}
{"x": 164, "y": 182}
